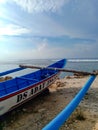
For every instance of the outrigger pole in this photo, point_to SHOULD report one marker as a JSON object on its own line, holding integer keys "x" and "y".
{"x": 60, "y": 69}
{"x": 63, "y": 116}
{"x": 10, "y": 71}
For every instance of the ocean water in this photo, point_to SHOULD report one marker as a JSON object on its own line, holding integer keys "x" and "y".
{"x": 88, "y": 65}
{"x": 76, "y": 64}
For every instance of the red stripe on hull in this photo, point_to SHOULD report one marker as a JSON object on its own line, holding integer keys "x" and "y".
{"x": 20, "y": 91}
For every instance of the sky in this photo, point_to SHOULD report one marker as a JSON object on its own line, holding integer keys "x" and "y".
{"x": 40, "y": 29}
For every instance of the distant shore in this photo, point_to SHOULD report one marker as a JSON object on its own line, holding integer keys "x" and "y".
{"x": 35, "y": 114}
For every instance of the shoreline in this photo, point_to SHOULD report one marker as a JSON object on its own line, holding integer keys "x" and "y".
{"x": 35, "y": 114}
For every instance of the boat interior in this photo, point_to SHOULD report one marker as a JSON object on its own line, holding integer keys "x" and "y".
{"x": 18, "y": 83}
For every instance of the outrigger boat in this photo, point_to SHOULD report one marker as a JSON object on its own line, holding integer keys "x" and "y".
{"x": 19, "y": 90}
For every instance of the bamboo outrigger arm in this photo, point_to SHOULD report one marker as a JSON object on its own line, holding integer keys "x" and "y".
{"x": 60, "y": 69}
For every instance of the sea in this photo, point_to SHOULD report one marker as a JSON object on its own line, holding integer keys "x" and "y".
{"x": 81, "y": 64}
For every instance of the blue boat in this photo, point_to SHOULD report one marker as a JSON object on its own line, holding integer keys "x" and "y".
{"x": 14, "y": 92}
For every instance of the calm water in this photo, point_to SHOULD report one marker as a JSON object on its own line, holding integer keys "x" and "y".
{"x": 77, "y": 64}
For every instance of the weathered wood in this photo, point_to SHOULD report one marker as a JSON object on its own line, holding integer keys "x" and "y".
{"x": 60, "y": 69}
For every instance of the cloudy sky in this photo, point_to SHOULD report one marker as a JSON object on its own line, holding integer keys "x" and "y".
{"x": 48, "y": 29}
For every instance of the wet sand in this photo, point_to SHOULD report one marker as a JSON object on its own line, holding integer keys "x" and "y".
{"x": 35, "y": 114}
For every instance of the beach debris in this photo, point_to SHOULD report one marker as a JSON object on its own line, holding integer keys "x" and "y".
{"x": 69, "y": 77}
{"x": 79, "y": 75}
{"x": 5, "y": 78}
{"x": 95, "y": 71}
{"x": 41, "y": 110}
{"x": 60, "y": 84}
{"x": 24, "y": 110}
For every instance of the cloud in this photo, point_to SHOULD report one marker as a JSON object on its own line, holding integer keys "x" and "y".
{"x": 42, "y": 49}
{"x": 76, "y": 20}
{"x": 42, "y": 46}
{"x": 3, "y": 1}
{"x": 38, "y": 5}
{"x": 45, "y": 50}
{"x": 13, "y": 30}
{"x": 47, "y": 27}
{"x": 86, "y": 50}
{"x": 41, "y": 5}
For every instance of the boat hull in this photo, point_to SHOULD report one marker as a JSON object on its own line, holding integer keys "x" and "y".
{"x": 9, "y": 102}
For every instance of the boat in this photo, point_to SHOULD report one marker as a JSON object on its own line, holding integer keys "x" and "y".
{"x": 16, "y": 91}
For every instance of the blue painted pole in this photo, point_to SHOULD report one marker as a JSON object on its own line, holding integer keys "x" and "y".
{"x": 59, "y": 120}
{"x": 11, "y": 71}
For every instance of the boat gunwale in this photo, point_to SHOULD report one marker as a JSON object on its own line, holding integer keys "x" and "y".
{"x": 2, "y": 98}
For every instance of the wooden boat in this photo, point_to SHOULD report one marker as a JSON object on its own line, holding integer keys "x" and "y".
{"x": 19, "y": 90}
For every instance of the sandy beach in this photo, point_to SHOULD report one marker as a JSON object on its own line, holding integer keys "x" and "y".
{"x": 35, "y": 114}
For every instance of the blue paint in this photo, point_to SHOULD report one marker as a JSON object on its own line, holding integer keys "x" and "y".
{"x": 17, "y": 83}
{"x": 27, "y": 82}
{"x": 11, "y": 71}
{"x": 59, "y": 120}
{"x": 59, "y": 64}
